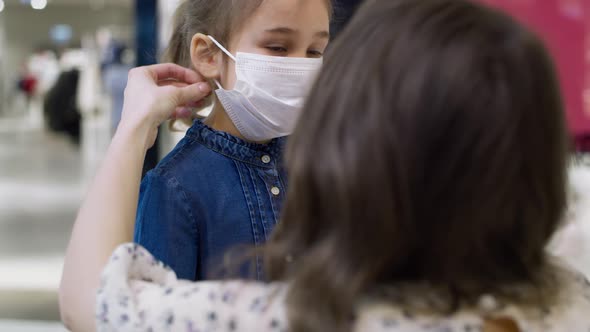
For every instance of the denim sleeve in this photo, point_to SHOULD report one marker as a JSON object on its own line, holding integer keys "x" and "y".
{"x": 166, "y": 226}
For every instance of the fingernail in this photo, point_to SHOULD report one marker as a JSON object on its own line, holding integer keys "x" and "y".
{"x": 204, "y": 87}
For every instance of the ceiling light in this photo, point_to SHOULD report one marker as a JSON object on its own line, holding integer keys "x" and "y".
{"x": 39, "y": 4}
{"x": 1, "y": 5}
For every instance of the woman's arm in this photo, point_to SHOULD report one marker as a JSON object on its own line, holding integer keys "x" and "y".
{"x": 107, "y": 215}
{"x": 104, "y": 222}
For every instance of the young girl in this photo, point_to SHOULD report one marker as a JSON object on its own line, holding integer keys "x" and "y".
{"x": 223, "y": 185}
{"x": 427, "y": 175}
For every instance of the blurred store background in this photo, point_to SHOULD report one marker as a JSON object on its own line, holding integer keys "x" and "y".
{"x": 63, "y": 68}
{"x": 62, "y": 65}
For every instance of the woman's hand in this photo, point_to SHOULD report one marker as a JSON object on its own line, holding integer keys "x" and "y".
{"x": 157, "y": 93}
{"x": 106, "y": 218}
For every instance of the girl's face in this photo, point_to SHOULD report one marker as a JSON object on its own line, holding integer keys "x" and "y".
{"x": 287, "y": 28}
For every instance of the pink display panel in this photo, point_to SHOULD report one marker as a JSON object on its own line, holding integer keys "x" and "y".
{"x": 565, "y": 27}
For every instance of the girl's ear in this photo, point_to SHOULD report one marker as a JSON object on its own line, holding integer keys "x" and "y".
{"x": 205, "y": 56}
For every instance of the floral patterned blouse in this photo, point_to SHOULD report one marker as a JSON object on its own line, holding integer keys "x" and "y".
{"x": 138, "y": 293}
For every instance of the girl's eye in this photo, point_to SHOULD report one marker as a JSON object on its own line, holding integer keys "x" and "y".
{"x": 276, "y": 49}
{"x": 315, "y": 53}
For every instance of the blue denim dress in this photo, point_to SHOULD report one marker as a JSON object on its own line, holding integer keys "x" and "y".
{"x": 213, "y": 192}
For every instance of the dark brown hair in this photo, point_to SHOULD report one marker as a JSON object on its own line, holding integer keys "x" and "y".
{"x": 432, "y": 149}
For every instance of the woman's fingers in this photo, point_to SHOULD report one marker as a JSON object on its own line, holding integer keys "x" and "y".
{"x": 196, "y": 104}
{"x": 188, "y": 110}
{"x": 169, "y": 71}
{"x": 154, "y": 94}
{"x": 191, "y": 94}
{"x": 182, "y": 113}
{"x": 177, "y": 84}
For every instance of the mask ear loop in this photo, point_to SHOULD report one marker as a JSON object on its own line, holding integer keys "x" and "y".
{"x": 218, "y": 44}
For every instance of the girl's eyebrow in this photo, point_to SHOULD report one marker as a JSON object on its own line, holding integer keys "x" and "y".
{"x": 290, "y": 31}
{"x": 282, "y": 30}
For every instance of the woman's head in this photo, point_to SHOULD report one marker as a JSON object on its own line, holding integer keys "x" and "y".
{"x": 291, "y": 28}
{"x": 432, "y": 148}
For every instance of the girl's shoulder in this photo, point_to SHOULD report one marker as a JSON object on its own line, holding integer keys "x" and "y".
{"x": 184, "y": 158}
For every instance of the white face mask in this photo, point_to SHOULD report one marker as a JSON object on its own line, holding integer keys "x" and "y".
{"x": 269, "y": 93}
